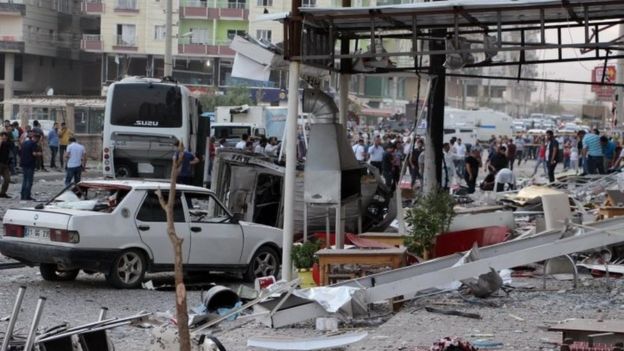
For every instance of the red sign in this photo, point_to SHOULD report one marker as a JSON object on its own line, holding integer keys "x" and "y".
{"x": 600, "y": 75}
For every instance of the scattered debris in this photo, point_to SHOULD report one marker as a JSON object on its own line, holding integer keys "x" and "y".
{"x": 303, "y": 344}
{"x": 453, "y": 313}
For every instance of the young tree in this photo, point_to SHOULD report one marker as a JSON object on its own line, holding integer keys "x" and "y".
{"x": 176, "y": 242}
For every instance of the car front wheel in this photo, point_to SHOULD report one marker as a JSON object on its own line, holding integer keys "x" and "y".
{"x": 265, "y": 262}
{"x": 51, "y": 272}
{"x": 128, "y": 270}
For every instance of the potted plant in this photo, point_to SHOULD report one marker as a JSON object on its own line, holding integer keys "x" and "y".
{"x": 303, "y": 260}
{"x": 431, "y": 215}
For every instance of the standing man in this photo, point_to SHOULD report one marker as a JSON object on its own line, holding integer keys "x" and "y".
{"x": 53, "y": 142}
{"x": 592, "y": 152}
{"x": 360, "y": 151}
{"x": 460, "y": 160}
{"x": 511, "y": 153}
{"x": 519, "y": 148}
{"x": 243, "y": 143}
{"x": 387, "y": 166}
{"x": 552, "y": 154}
{"x": 76, "y": 161}
{"x": 188, "y": 160}
{"x": 37, "y": 130}
{"x": 5, "y": 157}
{"x": 64, "y": 136}
{"x": 27, "y": 162}
{"x": 375, "y": 153}
{"x": 472, "y": 163}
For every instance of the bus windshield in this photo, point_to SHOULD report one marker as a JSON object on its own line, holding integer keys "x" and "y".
{"x": 146, "y": 105}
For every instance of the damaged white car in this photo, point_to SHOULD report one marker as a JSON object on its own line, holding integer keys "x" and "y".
{"x": 119, "y": 228}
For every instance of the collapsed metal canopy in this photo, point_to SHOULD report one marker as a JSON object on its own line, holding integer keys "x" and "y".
{"x": 519, "y": 26}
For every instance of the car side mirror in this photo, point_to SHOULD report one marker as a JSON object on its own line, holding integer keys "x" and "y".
{"x": 236, "y": 217}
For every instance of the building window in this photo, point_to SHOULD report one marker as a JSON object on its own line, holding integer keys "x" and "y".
{"x": 88, "y": 121}
{"x": 199, "y": 36}
{"x": 264, "y": 35}
{"x": 265, "y": 3}
{"x": 497, "y": 92}
{"x": 236, "y": 4}
{"x": 160, "y": 32}
{"x": 231, "y": 33}
{"x": 17, "y": 69}
{"x": 472, "y": 90}
{"x": 308, "y": 3}
{"x": 126, "y": 35}
{"x": 127, "y": 5}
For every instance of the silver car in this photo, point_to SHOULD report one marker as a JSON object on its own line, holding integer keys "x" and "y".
{"x": 119, "y": 228}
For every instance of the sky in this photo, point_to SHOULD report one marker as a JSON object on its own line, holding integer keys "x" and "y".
{"x": 581, "y": 70}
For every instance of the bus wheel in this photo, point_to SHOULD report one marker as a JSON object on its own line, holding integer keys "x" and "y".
{"x": 123, "y": 171}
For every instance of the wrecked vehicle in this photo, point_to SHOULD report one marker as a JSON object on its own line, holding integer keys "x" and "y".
{"x": 119, "y": 228}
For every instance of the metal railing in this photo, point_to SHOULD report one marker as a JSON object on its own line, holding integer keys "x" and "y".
{"x": 91, "y": 37}
{"x": 223, "y": 4}
{"x": 126, "y": 5}
{"x": 208, "y": 41}
{"x": 124, "y": 40}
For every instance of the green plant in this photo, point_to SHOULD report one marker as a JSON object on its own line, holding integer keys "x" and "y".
{"x": 303, "y": 254}
{"x": 431, "y": 214}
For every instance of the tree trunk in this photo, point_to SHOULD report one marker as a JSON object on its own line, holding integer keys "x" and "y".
{"x": 176, "y": 243}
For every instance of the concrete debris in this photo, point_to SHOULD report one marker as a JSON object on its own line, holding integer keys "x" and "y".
{"x": 305, "y": 344}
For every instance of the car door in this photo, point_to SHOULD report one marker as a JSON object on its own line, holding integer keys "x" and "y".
{"x": 151, "y": 222}
{"x": 216, "y": 239}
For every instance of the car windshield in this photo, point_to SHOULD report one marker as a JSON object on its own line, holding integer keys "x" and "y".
{"x": 90, "y": 197}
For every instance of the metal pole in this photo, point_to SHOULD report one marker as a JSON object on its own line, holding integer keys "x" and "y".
{"x": 338, "y": 228}
{"x": 344, "y": 99}
{"x": 168, "y": 37}
{"x": 30, "y": 341}
{"x": 305, "y": 222}
{"x": 619, "y": 108}
{"x": 327, "y": 229}
{"x": 103, "y": 312}
{"x": 16, "y": 309}
{"x": 291, "y": 164}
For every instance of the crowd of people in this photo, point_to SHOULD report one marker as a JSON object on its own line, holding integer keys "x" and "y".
{"x": 22, "y": 151}
{"x": 583, "y": 153}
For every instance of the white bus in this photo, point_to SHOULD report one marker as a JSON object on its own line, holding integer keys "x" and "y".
{"x": 143, "y": 118}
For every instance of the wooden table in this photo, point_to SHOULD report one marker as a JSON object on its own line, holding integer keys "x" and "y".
{"x": 394, "y": 239}
{"x": 394, "y": 258}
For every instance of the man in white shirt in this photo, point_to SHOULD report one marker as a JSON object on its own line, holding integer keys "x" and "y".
{"x": 460, "y": 158}
{"x": 243, "y": 143}
{"x": 375, "y": 153}
{"x": 76, "y": 159}
{"x": 360, "y": 151}
{"x": 272, "y": 147}
{"x": 261, "y": 147}
{"x": 448, "y": 168}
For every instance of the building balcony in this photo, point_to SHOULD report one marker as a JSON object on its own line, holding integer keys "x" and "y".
{"x": 125, "y": 43}
{"x": 126, "y": 6}
{"x": 11, "y": 43}
{"x": 187, "y": 46}
{"x": 227, "y": 10}
{"x": 91, "y": 42}
{"x": 12, "y": 7}
{"x": 93, "y": 7}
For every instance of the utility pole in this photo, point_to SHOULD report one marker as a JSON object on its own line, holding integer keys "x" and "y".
{"x": 168, "y": 38}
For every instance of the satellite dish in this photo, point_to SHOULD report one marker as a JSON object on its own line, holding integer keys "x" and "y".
{"x": 50, "y": 91}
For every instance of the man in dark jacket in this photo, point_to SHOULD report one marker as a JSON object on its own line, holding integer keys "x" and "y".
{"x": 387, "y": 166}
{"x": 552, "y": 156}
{"x": 5, "y": 158}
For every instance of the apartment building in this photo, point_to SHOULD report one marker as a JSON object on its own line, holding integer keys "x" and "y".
{"x": 509, "y": 96}
{"x": 40, "y": 49}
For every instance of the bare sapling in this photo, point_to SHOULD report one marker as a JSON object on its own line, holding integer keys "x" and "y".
{"x": 176, "y": 242}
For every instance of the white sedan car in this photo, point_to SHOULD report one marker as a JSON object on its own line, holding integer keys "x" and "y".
{"x": 119, "y": 228}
